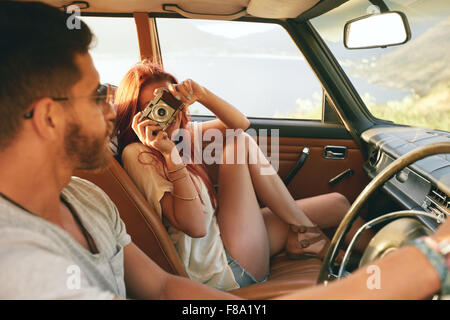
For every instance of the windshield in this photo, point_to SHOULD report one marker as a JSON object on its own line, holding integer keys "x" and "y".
{"x": 408, "y": 84}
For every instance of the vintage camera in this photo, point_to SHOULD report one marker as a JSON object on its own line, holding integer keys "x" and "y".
{"x": 163, "y": 108}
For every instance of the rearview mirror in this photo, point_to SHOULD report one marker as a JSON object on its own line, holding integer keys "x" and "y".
{"x": 377, "y": 30}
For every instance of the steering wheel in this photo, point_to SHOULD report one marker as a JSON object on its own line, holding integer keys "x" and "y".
{"x": 387, "y": 173}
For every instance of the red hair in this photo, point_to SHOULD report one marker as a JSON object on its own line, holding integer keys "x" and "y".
{"x": 126, "y": 104}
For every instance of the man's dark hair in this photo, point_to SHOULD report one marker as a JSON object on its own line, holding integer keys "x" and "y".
{"x": 37, "y": 59}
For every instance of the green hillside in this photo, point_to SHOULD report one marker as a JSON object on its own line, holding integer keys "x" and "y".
{"x": 429, "y": 111}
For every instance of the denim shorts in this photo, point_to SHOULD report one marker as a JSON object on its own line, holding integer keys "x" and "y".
{"x": 242, "y": 276}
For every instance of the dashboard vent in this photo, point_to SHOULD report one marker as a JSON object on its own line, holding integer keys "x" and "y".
{"x": 374, "y": 156}
{"x": 440, "y": 197}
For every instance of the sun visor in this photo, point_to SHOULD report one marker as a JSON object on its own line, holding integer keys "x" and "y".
{"x": 279, "y": 9}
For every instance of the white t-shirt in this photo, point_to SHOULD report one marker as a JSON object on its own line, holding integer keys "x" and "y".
{"x": 39, "y": 260}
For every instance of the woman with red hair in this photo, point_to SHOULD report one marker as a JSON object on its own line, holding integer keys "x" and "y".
{"x": 224, "y": 239}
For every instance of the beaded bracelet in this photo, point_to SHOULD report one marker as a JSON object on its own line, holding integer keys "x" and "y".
{"x": 435, "y": 254}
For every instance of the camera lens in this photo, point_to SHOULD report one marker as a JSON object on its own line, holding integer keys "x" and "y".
{"x": 161, "y": 112}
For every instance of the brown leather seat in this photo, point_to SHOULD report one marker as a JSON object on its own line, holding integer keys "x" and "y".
{"x": 149, "y": 234}
{"x": 285, "y": 276}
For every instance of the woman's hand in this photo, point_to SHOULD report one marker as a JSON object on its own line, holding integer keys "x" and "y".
{"x": 228, "y": 116}
{"x": 151, "y": 135}
{"x": 188, "y": 91}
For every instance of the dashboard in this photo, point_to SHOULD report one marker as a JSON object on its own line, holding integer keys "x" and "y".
{"x": 423, "y": 185}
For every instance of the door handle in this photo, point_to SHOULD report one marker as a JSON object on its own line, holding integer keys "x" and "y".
{"x": 341, "y": 176}
{"x": 335, "y": 152}
{"x": 298, "y": 166}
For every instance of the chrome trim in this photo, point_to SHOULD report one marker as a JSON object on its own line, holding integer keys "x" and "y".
{"x": 373, "y": 222}
{"x": 335, "y": 152}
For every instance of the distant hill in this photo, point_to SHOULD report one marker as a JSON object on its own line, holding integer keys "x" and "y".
{"x": 402, "y": 67}
{"x": 189, "y": 39}
{"x": 431, "y": 110}
{"x": 420, "y": 64}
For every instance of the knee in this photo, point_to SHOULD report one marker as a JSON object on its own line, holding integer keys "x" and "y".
{"x": 238, "y": 137}
{"x": 238, "y": 145}
{"x": 340, "y": 202}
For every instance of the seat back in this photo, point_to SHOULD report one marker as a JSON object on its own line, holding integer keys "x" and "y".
{"x": 149, "y": 234}
{"x": 142, "y": 223}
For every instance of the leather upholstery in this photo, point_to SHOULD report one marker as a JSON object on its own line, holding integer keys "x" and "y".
{"x": 148, "y": 233}
{"x": 285, "y": 276}
{"x": 144, "y": 225}
{"x": 317, "y": 170}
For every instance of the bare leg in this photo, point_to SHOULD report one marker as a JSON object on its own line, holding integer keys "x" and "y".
{"x": 271, "y": 190}
{"x": 240, "y": 221}
{"x": 327, "y": 211}
{"x": 252, "y": 237}
{"x": 242, "y": 226}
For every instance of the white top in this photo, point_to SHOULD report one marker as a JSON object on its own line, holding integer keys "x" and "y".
{"x": 204, "y": 258}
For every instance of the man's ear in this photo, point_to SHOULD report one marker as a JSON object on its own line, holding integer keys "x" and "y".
{"x": 48, "y": 118}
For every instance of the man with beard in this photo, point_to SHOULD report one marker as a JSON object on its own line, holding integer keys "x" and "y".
{"x": 61, "y": 236}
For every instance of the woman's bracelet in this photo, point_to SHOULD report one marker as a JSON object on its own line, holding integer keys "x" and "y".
{"x": 177, "y": 169}
{"x": 185, "y": 198}
{"x": 179, "y": 178}
{"x": 438, "y": 254}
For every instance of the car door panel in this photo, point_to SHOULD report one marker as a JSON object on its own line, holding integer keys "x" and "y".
{"x": 313, "y": 178}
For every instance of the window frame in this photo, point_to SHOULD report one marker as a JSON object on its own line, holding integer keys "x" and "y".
{"x": 344, "y": 100}
{"x": 113, "y": 15}
{"x": 258, "y": 20}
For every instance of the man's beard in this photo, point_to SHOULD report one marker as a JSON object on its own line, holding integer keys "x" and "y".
{"x": 88, "y": 153}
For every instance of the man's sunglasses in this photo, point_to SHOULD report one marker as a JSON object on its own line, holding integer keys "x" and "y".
{"x": 104, "y": 95}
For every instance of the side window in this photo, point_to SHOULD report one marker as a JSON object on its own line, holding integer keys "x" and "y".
{"x": 255, "y": 66}
{"x": 408, "y": 84}
{"x": 115, "y": 47}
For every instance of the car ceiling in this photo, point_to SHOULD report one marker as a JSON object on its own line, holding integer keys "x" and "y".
{"x": 275, "y": 9}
